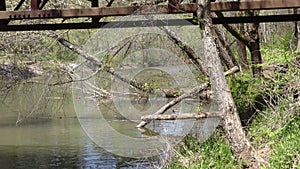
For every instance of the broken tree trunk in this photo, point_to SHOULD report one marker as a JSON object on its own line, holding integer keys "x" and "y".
{"x": 296, "y": 32}
{"x": 222, "y": 97}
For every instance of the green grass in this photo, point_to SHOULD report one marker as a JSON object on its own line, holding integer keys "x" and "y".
{"x": 214, "y": 153}
{"x": 280, "y": 131}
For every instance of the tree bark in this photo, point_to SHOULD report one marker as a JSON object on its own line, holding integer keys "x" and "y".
{"x": 225, "y": 53}
{"x": 297, "y": 33}
{"x": 98, "y": 63}
{"x": 223, "y": 100}
{"x": 254, "y": 47}
{"x": 187, "y": 49}
{"x": 241, "y": 50}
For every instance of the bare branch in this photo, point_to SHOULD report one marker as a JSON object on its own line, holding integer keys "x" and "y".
{"x": 187, "y": 49}
{"x": 98, "y": 63}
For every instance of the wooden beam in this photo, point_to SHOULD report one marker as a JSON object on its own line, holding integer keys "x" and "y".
{"x": 254, "y": 5}
{"x": 95, "y": 3}
{"x": 253, "y": 19}
{"x": 2, "y": 8}
{"x": 100, "y": 12}
{"x": 116, "y": 24}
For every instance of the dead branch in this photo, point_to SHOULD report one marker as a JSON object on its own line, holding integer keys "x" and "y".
{"x": 187, "y": 49}
{"x": 199, "y": 115}
{"x": 98, "y": 63}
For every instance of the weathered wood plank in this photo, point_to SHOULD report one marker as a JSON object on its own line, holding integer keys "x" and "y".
{"x": 253, "y": 19}
{"x": 115, "y": 24}
{"x": 100, "y": 12}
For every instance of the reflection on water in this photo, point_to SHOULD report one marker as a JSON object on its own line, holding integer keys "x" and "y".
{"x": 50, "y": 136}
{"x": 59, "y": 143}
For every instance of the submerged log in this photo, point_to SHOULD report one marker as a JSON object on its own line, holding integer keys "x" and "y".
{"x": 199, "y": 115}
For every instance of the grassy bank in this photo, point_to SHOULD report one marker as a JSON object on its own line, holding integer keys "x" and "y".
{"x": 270, "y": 109}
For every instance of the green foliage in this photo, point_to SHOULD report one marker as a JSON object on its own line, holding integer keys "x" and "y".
{"x": 18, "y": 47}
{"x": 279, "y": 128}
{"x": 245, "y": 90}
{"x": 214, "y": 153}
{"x": 281, "y": 40}
{"x": 286, "y": 152}
{"x": 275, "y": 56}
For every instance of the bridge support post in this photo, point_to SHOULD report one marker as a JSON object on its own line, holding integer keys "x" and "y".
{"x": 95, "y": 3}
{"x": 35, "y": 4}
{"x": 2, "y": 5}
{"x": 172, "y": 4}
{"x": 2, "y": 8}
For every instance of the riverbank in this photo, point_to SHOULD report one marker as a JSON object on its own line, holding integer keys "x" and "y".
{"x": 274, "y": 133}
{"x": 272, "y": 107}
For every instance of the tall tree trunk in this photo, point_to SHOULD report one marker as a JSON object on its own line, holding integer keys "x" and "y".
{"x": 297, "y": 33}
{"x": 256, "y": 58}
{"x": 239, "y": 144}
{"x": 254, "y": 47}
{"x": 225, "y": 53}
{"x": 241, "y": 50}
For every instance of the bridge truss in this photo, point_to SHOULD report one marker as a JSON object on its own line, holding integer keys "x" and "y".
{"x": 12, "y": 20}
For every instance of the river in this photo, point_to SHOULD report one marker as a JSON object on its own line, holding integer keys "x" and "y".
{"x": 39, "y": 128}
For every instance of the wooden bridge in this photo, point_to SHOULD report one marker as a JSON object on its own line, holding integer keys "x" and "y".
{"x": 36, "y": 12}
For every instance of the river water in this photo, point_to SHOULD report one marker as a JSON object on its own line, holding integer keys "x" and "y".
{"x": 39, "y": 128}
{"x": 48, "y": 134}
